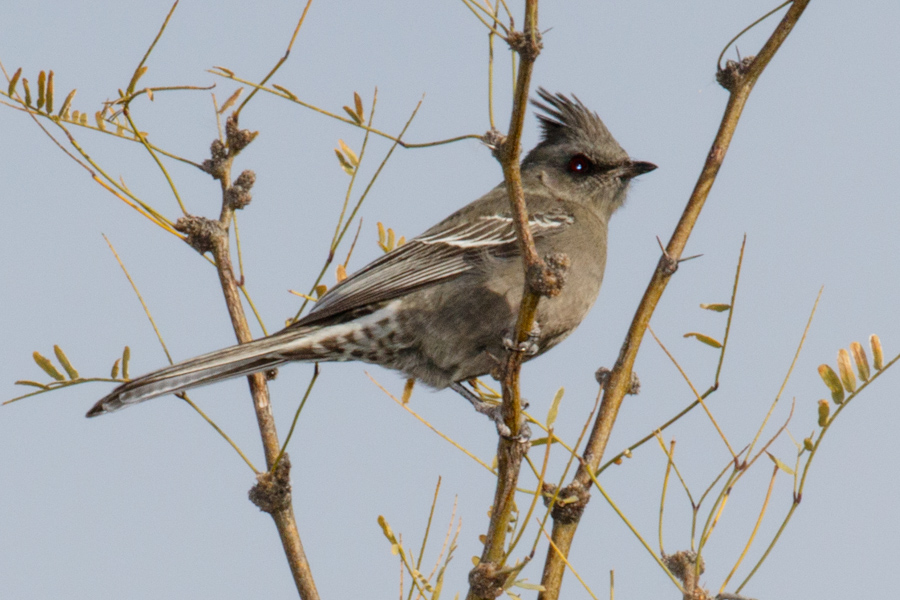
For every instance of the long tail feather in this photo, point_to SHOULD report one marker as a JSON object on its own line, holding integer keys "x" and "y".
{"x": 243, "y": 359}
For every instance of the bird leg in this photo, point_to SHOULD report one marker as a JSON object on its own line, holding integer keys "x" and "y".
{"x": 493, "y": 411}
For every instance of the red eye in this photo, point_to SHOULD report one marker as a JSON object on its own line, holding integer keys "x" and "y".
{"x": 580, "y": 164}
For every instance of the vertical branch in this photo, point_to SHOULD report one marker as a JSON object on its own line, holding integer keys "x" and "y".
{"x": 528, "y": 45}
{"x": 488, "y": 577}
{"x": 272, "y": 492}
{"x": 739, "y": 79}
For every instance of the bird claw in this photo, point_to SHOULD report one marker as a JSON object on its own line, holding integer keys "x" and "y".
{"x": 529, "y": 346}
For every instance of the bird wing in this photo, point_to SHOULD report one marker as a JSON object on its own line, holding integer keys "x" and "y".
{"x": 431, "y": 258}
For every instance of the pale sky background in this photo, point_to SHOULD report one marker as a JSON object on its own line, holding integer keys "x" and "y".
{"x": 151, "y": 503}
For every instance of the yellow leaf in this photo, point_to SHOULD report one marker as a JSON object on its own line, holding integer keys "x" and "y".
{"x": 42, "y": 84}
{"x": 320, "y": 290}
{"x": 780, "y": 464}
{"x": 385, "y": 528}
{"x": 345, "y": 164}
{"x": 64, "y": 361}
{"x": 705, "y": 339}
{"x": 231, "y": 100}
{"x": 357, "y": 101}
{"x": 356, "y": 118}
{"x": 341, "y": 273}
{"x": 114, "y": 372}
{"x": 48, "y": 95}
{"x": 833, "y": 382}
{"x": 408, "y": 390}
{"x": 716, "y": 307}
{"x": 27, "y": 92}
{"x": 64, "y": 109}
{"x": 351, "y": 155}
{"x": 44, "y": 363}
{"x": 862, "y": 362}
{"x": 554, "y": 407}
{"x": 824, "y": 410}
{"x": 12, "y": 82}
{"x": 126, "y": 356}
{"x": 846, "y": 371}
{"x": 286, "y": 91}
{"x": 877, "y": 352}
{"x": 528, "y": 586}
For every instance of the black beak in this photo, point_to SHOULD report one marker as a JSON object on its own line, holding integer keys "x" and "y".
{"x": 633, "y": 168}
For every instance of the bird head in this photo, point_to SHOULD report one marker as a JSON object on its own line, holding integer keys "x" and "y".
{"x": 578, "y": 157}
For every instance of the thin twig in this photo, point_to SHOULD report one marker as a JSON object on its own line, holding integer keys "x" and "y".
{"x": 280, "y": 62}
{"x": 141, "y": 299}
{"x": 759, "y": 519}
{"x": 430, "y": 426}
{"x": 697, "y": 395}
{"x": 285, "y": 94}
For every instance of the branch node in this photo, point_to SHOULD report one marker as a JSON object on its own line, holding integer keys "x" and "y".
{"x": 548, "y": 279}
{"x": 570, "y": 502}
{"x": 528, "y": 47}
{"x": 667, "y": 264}
{"x": 272, "y": 492}
{"x": 237, "y": 138}
{"x": 218, "y": 164}
{"x": 683, "y": 565}
{"x": 202, "y": 233}
{"x": 486, "y": 580}
{"x": 495, "y": 141}
{"x": 238, "y": 195}
{"x": 222, "y": 153}
{"x": 602, "y": 376}
{"x": 733, "y": 73}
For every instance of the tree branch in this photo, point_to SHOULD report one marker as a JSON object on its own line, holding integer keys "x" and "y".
{"x": 739, "y": 79}
{"x": 487, "y": 579}
{"x": 272, "y": 493}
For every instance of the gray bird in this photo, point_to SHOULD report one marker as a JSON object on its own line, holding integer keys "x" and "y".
{"x": 442, "y": 307}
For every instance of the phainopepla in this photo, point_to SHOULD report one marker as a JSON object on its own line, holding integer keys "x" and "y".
{"x": 440, "y": 307}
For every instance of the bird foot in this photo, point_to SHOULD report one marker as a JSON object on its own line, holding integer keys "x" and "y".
{"x": 494, "y": 412}
{"x": 529, "y": 346}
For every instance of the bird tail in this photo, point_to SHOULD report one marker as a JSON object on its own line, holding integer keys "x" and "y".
{"x": 244, "y": 359}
